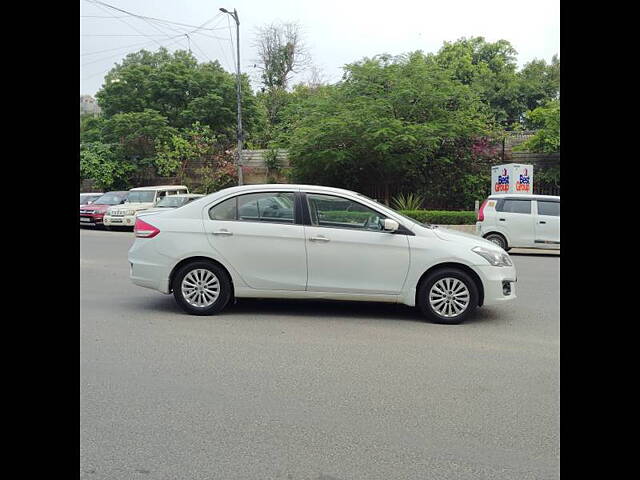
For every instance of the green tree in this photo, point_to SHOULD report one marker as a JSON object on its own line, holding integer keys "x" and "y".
{"x": 105, "y": 165}
{"x": 180, "y": 89}
{"x": 490, "y": 69}
{"x": 389, "y": 121}
{"x": 546, "y": 121}
{"x": 175, "y": 154}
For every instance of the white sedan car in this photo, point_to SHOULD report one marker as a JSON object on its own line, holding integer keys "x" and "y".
{"x": 304, "y": 241}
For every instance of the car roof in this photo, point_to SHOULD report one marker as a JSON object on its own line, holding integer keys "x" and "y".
{"x": 287, "y": 186}
{"x": 186, "y": 195}
{"x": 157, "y": 187}
{"x": 91, "y": 193}
{"x": 525, "y": 196}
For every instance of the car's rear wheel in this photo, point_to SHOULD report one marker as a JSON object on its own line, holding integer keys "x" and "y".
{"x": 498, "y": 240}
{"x": 448, "y": 295}
{"x": 201, "y": 288}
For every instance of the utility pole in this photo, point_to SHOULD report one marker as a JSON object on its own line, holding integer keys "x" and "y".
{"x": 234, "y": 15}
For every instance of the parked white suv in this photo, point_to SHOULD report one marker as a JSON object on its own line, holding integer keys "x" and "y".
{"x": 305, "y": 241}
{"x": 139, "y": 199}
{"x": 525, "y": 221}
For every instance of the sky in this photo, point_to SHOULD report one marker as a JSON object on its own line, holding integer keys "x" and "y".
{"x": 336, "y": 32}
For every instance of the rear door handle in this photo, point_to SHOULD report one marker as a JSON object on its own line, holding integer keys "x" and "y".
{"x": 501, "y": 219}
{"x": 318, "y": 239}
{"x": 542, "y": 221}
{"x": 222, "y": 232}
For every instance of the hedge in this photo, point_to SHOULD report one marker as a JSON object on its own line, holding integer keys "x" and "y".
{"x": 442, "y": 217}
{"x": 438, "y": 217}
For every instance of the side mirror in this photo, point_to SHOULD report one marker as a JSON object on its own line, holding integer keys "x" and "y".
{"x": 390, "y": 225}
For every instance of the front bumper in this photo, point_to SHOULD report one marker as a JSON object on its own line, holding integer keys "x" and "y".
{"x": 499, "y": 283}
{"x": 91, "y": 219}
{"x": 120, "y": 221}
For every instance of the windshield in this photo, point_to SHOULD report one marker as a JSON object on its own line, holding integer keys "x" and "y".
{"x": 111, "y": 199}
{"x": 412, "y": 220}
{"x": 141, "y": 196}
{"x": 172, "y": 202}
{"x": 84, "y": 197}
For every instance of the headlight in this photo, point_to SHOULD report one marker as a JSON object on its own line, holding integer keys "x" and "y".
{"x": 131, "y": 212}
{"x": 494, "y": 257}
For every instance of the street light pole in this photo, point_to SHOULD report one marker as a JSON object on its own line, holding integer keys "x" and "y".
{"x": 234, "y": 15}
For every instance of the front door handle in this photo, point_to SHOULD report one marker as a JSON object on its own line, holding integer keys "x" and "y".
{"x": 222, "y": 232}
{"x": 501, "y": 219}
{"x": 318, "y": 239}
{"x": 542, "y": 221}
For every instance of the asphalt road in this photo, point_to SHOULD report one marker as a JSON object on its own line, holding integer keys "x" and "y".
{"x": 313, "y": 390}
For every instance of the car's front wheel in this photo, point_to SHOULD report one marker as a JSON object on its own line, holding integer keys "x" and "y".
{"x": 201, "y": 288}
{"x": 448, "y": 295}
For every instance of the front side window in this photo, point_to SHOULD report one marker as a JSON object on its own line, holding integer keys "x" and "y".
{"x": 549, "y": 208}
{"x": 515, "y": 206}
{"x": 275, "y": 207}
{"x": 338, "y": 212}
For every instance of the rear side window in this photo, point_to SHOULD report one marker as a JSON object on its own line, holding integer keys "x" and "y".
{"x": 549, "y": 208}
{"x": 225, "y": 210}
{"x": 276, "y": 207}
{"x": 514, "y": 206}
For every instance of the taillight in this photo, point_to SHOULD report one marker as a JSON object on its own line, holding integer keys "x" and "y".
{"x": 144, "y": 230}
{"x": 481, "y": 211}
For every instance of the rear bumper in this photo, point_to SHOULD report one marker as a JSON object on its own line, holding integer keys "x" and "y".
{"x": 125, "y": 221}
{"x": 148, "y": 268}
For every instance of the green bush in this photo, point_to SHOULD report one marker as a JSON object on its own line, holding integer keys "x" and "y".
{"x": 442, "y": 217}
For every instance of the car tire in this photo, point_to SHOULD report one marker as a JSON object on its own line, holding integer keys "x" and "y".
{"x": 499, "y": 240}
{"x": 196, "y": 284}
{"x": 452, "y": 297}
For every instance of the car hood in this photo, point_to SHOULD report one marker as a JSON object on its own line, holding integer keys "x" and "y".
{"x": 450, "y": 235}
{"x": 133, "y": 206}
{"x": 158, "y": 209}
{"x": 95, "y": 207}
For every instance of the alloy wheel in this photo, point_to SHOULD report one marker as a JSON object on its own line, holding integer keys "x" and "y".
{"x": 449, "y": 297}
{"x": 200, "y": 288}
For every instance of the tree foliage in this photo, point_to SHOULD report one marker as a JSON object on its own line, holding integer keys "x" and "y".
{"x": 399, "y": 120}
{"x": 180, "y": 89}
{"x": 546, "y": 121}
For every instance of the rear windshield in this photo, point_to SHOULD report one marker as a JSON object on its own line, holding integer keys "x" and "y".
{"x": 111, "y": 199}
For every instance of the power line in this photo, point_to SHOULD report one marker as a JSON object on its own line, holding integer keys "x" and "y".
{"x": 113, "y": 49}
{"x": 148, "y": 18}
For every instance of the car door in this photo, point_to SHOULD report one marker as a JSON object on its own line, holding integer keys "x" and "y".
{"x": 347, "y": 250}
{"x": 514, "y": 215}
{"x": 257, "y": 234}
{"x": 547, "y": 223}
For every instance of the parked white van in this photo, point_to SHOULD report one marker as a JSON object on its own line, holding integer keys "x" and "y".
{"x": 139, "y": 199}
{"x": 525, "y": 221}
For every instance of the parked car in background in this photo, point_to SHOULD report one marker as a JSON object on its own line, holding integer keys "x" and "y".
{"x": 139, "y": 199}
{"x": 88, "y": 198}
{"x": 524, "y": 221}
{"x": 92, "y": 215}
{"x": 304, "y": 241}
{"x": 172, "y": 201}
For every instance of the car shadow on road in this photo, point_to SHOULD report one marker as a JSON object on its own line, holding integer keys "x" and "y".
{"x": 328, "y": 309}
